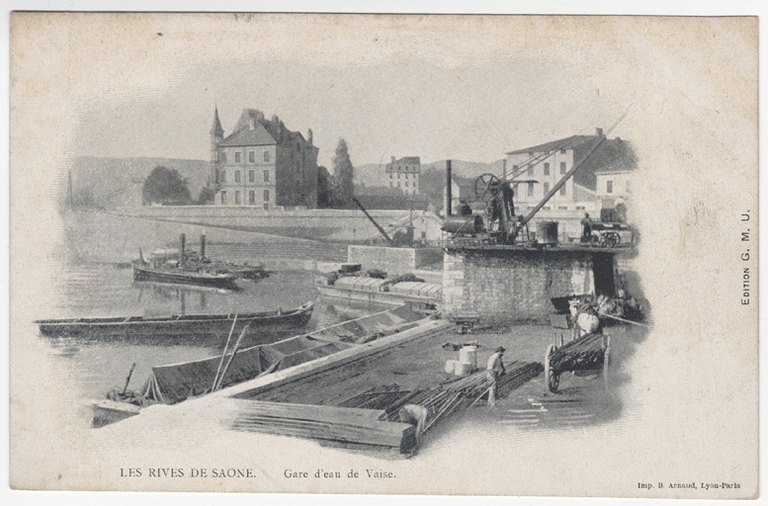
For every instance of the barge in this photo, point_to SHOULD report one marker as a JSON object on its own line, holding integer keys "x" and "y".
{"x": 189, "y": 326}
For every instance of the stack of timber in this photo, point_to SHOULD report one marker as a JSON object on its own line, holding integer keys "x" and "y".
{"x": 351, "y": 426}
{"x": 585, "y": 353}
{"x": 370, "y": 419}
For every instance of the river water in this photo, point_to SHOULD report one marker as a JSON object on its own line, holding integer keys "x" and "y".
{"x": 97, "y": 290}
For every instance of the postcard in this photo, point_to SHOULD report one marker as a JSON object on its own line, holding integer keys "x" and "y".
{"x": 384, "y": 254}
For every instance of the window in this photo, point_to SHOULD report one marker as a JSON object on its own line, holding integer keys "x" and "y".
{"x": 562, "y": 168}
{"x": 237, "y": 156}
{"x": 414, "y": 184}
{"x": 224, "y": 198}
{"x": 562, "y": 208}
{"x": 546, "y": 208}
{"x": 398, "y": 177}
{"x": 216, "y": 156}
{"x": 562, "y": 151}
{"x": 530, "y": 169}
{"x": 580, "y": 208}
{"x": 251, "y": 176}
{"x": 237, "y": 177}
{"x": 546, "y": 188}
{"x": 562, "y": 190}
{"x": 609, "y": 187}
{"x": 266, "y": 176}
{"x": 266, "y": 156}
{"x": 406, "y": 176}
{"x": 266, "y": 196}
{"x": 406, "y": 183}
{"x": 530, "y": 189}
{"x": 398, "y": 184}
{"x": 223, "y": 176}
{"x": 252, "y": 197}
{"x": 237, "y": 198}
{"x": 266, "y": 206}
{"x": 224, "y": 157}
{"x": 391, "y": 176}
{"x": 546, "y": 169}
{"x": 252, "y": 157}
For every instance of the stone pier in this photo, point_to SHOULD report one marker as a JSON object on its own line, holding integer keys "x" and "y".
{"x": 516, "y": 285}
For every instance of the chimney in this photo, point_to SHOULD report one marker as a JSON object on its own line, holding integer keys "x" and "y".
{"x": 393, "y": 159}
{"x": 309, "y": 137}
{"x": 599, "y": 132}
{"x": 251, "y": 123}
{"x": 504, "y": 169}
{"x": 202, "y": 246}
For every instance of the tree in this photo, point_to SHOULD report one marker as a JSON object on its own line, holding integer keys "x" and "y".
{"x": 324, "y": 188}
{"x": 165, "y": 186}
{"x": 205, "y": 196}
{"x": 343, "y": 173}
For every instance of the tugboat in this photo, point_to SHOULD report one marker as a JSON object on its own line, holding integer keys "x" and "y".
{"x": 189, "y": 268}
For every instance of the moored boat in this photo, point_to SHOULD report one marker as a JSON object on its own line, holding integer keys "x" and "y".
{"x": 176, "y": 275}
{"x": 378, "y": 290}
{"x": 189, "y": 326}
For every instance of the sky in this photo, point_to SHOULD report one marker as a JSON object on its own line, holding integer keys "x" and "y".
{"x": 427, "y": 88}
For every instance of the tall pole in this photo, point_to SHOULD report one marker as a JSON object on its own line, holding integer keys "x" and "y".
{"x": 182, "y": 260}
{"x": 378, "y": 227}
{"x": 69, "y": 191}
{"x": 448, "y": 189}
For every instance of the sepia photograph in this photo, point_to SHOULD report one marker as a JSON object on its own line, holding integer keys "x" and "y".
{"x": 423, "y": 254}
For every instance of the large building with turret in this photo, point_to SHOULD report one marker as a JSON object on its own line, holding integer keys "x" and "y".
{"x": 262, "y": 163}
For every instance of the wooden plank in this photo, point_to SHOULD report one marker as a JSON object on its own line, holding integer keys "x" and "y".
{"x": 329, "y": 423}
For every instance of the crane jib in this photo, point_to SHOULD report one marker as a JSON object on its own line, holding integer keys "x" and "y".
{"x": 560, "y": 184}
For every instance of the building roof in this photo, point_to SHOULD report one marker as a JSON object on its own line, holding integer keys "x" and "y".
{"x": 613, "y": 155}
{"x": 566, "y": 143}
{"x": 216, "y": 128}
{"x": 252, "y": 129}
{"x": 258, "y": 136}
{"x": 414, "y": 160}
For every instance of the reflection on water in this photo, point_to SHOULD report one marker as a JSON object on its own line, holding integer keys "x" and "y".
{"x": 100, "y": 290}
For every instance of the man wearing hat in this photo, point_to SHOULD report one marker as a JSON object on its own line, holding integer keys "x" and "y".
{"x": 495, "y": 369}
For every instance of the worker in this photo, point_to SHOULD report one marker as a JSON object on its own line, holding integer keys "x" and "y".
{"x": 415, "y": 415}
{"x": 494, "y": 371}
{"x": 586, "y": 231}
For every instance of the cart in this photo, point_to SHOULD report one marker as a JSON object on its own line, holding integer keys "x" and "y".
{"x": 589, "y": 353}
{"x": 612, "y": 235}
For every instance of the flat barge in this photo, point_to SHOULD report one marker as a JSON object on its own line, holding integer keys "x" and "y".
{"x": 192, "y": 326}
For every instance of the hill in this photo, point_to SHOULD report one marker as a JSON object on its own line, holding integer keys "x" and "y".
{"x": 114, "y": 182}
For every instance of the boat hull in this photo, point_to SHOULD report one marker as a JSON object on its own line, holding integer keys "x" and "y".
{"x": 180, "y": 277}
{"x": 186, "y": 328}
